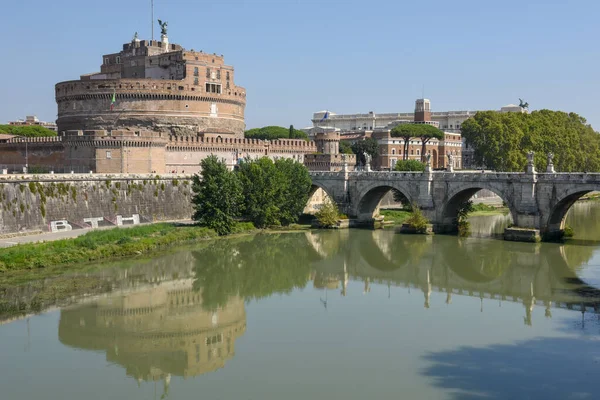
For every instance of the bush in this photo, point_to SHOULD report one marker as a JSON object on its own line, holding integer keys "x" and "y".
{"x": 464, "y": 226}
{"x": 417, "y": 220}
{"x": 328, "y": 214}
{"x": 409, "y": 165}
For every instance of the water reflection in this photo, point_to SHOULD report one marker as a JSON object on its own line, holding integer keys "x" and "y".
{"x": 157, "y": 332}
{"x": 181, "y": 314}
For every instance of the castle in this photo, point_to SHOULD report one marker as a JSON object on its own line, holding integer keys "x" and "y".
{"x": 154, "y": 107}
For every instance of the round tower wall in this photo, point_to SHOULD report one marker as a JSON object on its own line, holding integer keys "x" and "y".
{"x": 166, "y": 106}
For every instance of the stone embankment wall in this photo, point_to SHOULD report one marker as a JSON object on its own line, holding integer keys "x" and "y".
{"x": 30, "y": 203}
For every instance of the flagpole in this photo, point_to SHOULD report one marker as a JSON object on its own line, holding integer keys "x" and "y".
{"x": 152, "y": 18}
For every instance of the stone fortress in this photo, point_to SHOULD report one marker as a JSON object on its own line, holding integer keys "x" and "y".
{"x": 154, "y": 107}
{"x": 159, "y": 86}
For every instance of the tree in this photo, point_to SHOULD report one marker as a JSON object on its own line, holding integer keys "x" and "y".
{"x": 328, "y": 214}
{"x": 368, "y": 145}
{"x": 422, "y": 131}
{"x": 274, "y": 133}
{"x": 27, "y": 130}
{"x": 294, "y": 190}
{"x": 218, "y": 196}
{"x": 261, "y": 183}
{"x": 409, "y": 165}
{"x": 501, "y": 140}
{"x": 345, "y": 148}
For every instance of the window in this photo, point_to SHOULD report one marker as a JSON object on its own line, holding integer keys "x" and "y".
{"x": 195, "y": 71}
{"x": 417, "y": 152}
{"x": 393, "y": 151}
{"x": 228, "y": 86}
{"x": 196, "y": 81}
{"x": 108, "y": 155}
{"x": 213, "y": 88}
{"x": 118, "y": 59}
{"x": 218, "y": 74}
{"x": 227, "y": 75}
{"x": 208, "y": 72}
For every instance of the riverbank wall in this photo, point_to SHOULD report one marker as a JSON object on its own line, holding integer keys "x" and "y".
{"x": 53, "y": 203}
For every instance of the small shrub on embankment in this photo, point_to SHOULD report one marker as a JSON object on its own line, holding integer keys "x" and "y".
{"x": 103, "y": 245}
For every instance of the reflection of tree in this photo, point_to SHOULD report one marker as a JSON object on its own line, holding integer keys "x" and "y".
{"x": 252, "y": 268}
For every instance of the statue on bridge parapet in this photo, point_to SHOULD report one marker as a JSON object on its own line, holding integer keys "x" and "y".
{"x": 530, "y": 165}
{"x": 550, "y": 166}
{"x": 450, "y": 167}
{"x": 523, "y": 104}
{"x": 367, "y": 161}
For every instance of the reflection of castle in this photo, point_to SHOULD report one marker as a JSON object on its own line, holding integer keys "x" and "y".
{"x": 157, "y": 333}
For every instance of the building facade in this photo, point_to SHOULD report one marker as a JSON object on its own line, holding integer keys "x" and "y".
{"x": 155, "y": 85}
{"x": 353, "y": 127}
{"x": 32, "y": 120}
{"x": 124, "y": 151}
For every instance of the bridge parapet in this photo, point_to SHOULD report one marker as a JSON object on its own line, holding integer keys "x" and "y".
{"x": 538, "y": 202}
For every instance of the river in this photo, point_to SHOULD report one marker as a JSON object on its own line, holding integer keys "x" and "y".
{"x": 349, "y": 314}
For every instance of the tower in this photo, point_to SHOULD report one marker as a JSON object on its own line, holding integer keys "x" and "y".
{"x": 328, "y": 142}
{"x": 422, "y": 110}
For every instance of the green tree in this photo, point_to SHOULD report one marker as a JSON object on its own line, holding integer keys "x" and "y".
{"x": 218, "y": 196}
{"x": 501, "y": 140}
{"x": 275, "y": 132}
{"x": 27, "y": 130}
{"x": 409, "y": 165}
{"x": 261, "y": 183}
{"x": 345, "y": 148}
{"x": 368, "y": 145}
{"x": 295, "y": 189}
{"x": 422, "y": 131}
{"x": 328, "y": 214}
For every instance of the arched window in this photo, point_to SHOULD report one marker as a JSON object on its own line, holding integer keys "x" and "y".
{"x": 393, "y": 151}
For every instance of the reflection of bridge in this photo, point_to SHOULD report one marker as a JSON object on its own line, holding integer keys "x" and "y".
{"x": 485, "y": 269}
{"x": 538, "y": 201}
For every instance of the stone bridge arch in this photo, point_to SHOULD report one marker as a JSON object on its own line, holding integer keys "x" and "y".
{"x": 334, "y": 186}
{"x": 368, "y": 196}
{"x": 446, "y": 211}
{"x": 554, "y": 213}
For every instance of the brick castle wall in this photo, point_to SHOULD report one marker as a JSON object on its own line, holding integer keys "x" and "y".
{"x": 117, "y": 151}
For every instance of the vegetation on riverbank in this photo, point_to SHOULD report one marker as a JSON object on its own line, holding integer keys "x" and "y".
{"x": 104, "y": 244}
{"x": 264, "y": 192}
{"x": 397, "y": 217}
{"x": 478, "y": 209}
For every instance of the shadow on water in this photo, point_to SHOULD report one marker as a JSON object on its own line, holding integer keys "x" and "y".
{"x": 543, "y": 368}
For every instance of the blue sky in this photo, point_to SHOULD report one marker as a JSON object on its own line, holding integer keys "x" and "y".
{"x": 298, "y": 57}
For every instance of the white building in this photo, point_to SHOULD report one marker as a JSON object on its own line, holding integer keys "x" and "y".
{"x": 447, "y": 121}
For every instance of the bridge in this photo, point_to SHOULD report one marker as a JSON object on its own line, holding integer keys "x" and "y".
{"x": 538, "y": 202}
